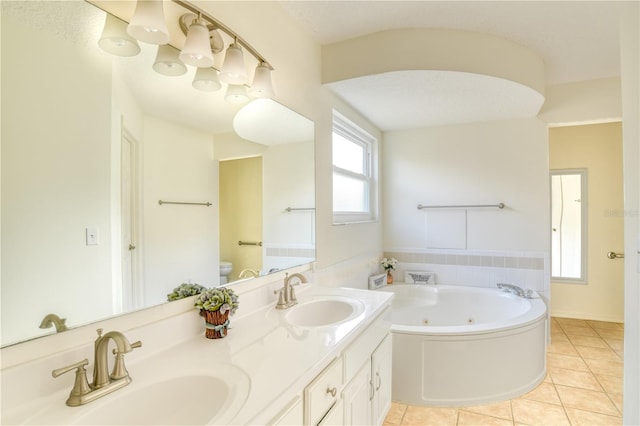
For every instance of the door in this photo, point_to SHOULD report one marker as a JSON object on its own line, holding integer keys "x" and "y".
{"x": 130, "y": 249}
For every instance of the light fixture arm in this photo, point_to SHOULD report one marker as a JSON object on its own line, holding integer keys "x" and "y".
{"x": 239, "y": 40}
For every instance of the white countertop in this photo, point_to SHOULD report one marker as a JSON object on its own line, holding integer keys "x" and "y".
{"x": 276, "y": 360}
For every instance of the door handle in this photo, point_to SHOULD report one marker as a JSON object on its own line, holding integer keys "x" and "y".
{"x": 614, "y": 255}
{"x": 131, "y": 247}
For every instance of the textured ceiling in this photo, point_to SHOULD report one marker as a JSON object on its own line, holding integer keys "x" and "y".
{"x": 578, "y": 40}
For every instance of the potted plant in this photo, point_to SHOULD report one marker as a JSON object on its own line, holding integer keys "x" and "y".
{"x": 216, "y": 304}
{"x": 185, "y": 290}
{"x": 389, "y": 264}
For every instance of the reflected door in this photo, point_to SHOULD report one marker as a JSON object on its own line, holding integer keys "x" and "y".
{"x": 129, "y": 243}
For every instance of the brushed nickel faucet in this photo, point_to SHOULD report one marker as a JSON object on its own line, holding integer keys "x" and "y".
{"x": 287, "y": 297}
{"x": 53, "y": 319}
{"x": 103, "y": 382}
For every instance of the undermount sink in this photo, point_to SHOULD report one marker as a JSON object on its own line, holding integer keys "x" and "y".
{"x": 324, "y": 312}
{"x": 196, "y": 399}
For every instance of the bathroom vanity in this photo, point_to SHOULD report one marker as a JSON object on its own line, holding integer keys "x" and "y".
{"x": 326, "y": 360}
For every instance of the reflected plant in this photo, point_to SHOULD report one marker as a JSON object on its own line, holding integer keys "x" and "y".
{"x": 185, "y": 290}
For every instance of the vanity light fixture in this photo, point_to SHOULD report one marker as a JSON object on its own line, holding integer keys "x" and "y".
{"x": 233, "y": 69}
{"x": 167, "y": 61}
{"x": 148, "y": 24}
{"x": 262, "y": 86}
{"x": 236, "y": 94}
{"x": 203, "y": 39}
{"x": 116, "y": 40}
{"x": 197, "y": 47}
{"x": 206, "y": 80}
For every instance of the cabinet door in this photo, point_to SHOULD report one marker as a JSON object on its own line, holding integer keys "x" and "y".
{"x": 334, "y": 416}
{"x": 381, "y": 379}
{"x": 357, "y": 398}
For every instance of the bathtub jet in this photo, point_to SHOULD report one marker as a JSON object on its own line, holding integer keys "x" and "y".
{"x": 459, "y": 346}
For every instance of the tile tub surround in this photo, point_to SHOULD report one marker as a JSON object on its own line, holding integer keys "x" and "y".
{"x": 583, "y": 385}
{"x": 278, "y": 361}
{"x": 478, "y": 268}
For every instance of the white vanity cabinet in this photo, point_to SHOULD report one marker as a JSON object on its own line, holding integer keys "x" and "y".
{"x": 367, "y": 376}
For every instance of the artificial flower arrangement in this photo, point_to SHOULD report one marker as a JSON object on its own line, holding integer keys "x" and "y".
{"x": 215, "y": 305}
{"x": 185, "y": 290}
{"x": 389, "y": 263}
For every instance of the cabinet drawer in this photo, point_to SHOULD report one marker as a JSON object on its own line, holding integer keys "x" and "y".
{"x": 323, "y": 392}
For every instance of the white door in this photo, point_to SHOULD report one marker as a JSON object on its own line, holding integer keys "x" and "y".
{"x": 129, "y": 223}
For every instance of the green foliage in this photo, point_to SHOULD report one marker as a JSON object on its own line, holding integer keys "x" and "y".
{"x": 185, "y": 290}
{"x": 217, "y": 298}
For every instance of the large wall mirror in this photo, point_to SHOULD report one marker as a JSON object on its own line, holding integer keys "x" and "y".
{"x": 119, "y": 183}
{"x": 569, "y": 225}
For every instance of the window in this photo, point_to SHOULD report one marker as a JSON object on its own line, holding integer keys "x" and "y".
{"x": 354, "y": 185}
{"x": 569, "y": 225}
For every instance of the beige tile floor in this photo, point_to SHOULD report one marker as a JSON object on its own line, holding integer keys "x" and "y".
{"x": 583, "y": 385}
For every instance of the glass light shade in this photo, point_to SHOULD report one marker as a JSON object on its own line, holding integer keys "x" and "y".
{"x": 148, "y": 24}
{"x": 206, "y": 79}
{"x": 115, "y": 40}
{"x": 236, "y": 94}
{"x": 167, "y": 61}
{"x": 261, "y": 86}
{"x": 197, "y": 47}
{"x": 233, "y": 70}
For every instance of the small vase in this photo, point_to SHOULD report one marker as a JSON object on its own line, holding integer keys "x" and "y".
{"x": 389, "y": 277}
{"x": 216, "y": 324}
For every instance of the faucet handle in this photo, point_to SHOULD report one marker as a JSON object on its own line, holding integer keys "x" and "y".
{"x": 119, "y": 370}
{"x": 80, "y": 386}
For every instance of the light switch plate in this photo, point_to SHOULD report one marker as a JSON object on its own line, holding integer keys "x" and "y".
{"x": 92, "y": 236}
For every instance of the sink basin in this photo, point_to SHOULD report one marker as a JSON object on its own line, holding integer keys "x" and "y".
{"x": 193, "y": 398}
{"x": 324, "y": 312}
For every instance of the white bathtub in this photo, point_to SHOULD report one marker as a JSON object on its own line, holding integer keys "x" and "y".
{"x": 460, "y": 346}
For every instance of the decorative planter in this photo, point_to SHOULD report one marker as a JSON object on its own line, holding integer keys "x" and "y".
{"x": 216, "y": 323}
{"x": 389, "y": 277}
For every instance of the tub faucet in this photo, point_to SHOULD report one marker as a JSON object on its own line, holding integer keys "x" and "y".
{"x": 103, "y": 382}
{"x": 287, "y": 297}
{"x": 510, "y": 288}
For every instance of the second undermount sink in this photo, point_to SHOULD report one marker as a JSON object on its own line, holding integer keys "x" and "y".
{"x": 324, "y": 312}
{"x": 194, "y": 398}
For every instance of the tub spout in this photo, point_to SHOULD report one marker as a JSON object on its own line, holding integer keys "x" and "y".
{"x": 510, "y": 288}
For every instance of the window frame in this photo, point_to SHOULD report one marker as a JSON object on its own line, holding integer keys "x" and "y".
{"x": 355, "y": 134}
{"x": 584, "y": 190}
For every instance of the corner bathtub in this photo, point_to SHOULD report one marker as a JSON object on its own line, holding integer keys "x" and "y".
{"x": 460, "y": 346}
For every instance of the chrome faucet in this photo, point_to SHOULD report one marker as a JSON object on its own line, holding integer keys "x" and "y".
{"x": 287, "y": 297}
{"x": 103, "y": 382}
{"x": 510, "y": 288}
{"x": 53, "y": 319}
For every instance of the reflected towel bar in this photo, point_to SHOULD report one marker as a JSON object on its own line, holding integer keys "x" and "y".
{"x": 161, "y": 202}
{"x": 246, "y": 243}
{"x": 290, "y": 209}
{"x": 500, "y": 206}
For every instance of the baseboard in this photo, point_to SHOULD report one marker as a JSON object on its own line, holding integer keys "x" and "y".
{"x": 586, "y": 316}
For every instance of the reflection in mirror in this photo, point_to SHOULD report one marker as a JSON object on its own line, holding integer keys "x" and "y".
{"x": 92, "y": 143}
{"x": 568, "y": 225}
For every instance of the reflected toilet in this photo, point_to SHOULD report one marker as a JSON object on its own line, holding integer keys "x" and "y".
{"x": 225, "y": 270}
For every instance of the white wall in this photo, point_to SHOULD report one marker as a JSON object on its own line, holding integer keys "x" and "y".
{"x": 288, "y": 237}
{"x": 593, "y": 101}
{"x": 479, "y": 163}
{"x": 45, "y": 268}
{"x": 180, "y": 241}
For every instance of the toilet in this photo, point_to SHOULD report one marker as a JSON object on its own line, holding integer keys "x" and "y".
{"x": 225, "y": 269}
